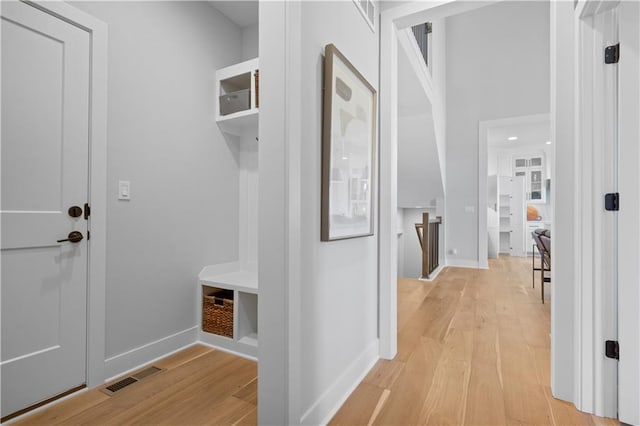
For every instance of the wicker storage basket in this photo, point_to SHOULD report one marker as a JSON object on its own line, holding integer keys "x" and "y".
{"x": 217, "y": 311}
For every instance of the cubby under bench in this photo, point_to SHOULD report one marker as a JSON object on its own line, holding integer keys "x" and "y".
{"x": 242, "y": 282}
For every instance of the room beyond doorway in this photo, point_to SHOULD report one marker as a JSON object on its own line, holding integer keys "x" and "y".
{"x": 516, "y": 163}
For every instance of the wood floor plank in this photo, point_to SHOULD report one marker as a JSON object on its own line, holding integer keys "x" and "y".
{"x": 385, "y": 373}
{"x": 360, "y": 406}
{"x": 249, "y": 419}
{"x": 485, "y": 404}
{"x": 565, "y": 413}
{"x": 249, "y": 392}
{"x": 409, "y": 392}
{"x": 525, "y": 404}
{"x": 486, "y": 344}
{"x": 447, "y": 399}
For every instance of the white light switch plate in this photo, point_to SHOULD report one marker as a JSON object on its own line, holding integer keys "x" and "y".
{"x": 469, "y": 209}
{"x": 124, "y": 190}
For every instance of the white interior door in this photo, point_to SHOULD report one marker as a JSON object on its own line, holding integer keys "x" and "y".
{"x": 45, "y": 98}
{"x": 629, "y": 225}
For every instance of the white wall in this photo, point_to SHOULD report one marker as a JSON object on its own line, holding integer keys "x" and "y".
{"x": 250, "y": 42}
{"x": 497, "y": 67}
{"x": 248, "y": 200}
{"x": 162, "y": 137}
{"x": 419, "y": 171}
{"x": 563, "y": 273}
{"x": 400, "y": 233}
{"x": 339, "y": 296}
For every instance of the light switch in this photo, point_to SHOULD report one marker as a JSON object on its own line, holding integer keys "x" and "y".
{"x": 469, "y": 209}
{"x": 124, "y": 190}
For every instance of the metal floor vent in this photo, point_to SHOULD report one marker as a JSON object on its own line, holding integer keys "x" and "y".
{"x": 121, "y": 384}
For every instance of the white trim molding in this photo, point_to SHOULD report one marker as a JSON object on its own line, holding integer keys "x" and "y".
{"x": 324, "y": 408}
{"x": 130, "y": 360}
{"x": 596, "y": 237}
{"x": 464, "y": 263}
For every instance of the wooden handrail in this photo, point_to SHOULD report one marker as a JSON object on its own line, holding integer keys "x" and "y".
{"x": 428, "y": 235}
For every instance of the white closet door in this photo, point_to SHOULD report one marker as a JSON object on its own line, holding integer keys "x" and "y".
{"x": 45, "y": 147}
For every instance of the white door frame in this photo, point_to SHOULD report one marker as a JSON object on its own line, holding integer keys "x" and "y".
{"x": 391, "y": 21}
{"x": 97, "y": 181}
{"x": 629, "y": 236}
{"x": 595, "y": 292}
{"x": 483, "y": 157}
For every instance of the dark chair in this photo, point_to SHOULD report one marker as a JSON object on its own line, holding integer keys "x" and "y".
{"x": 542, "y": 239}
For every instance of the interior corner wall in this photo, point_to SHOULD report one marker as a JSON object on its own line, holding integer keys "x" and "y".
{"x": 339, "y": 295}
{"x": 250, "y": 42}
{"x": 497, "y": 67}
{"x": 162, "y": 137}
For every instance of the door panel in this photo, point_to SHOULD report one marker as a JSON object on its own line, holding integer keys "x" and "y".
{"x": 45, "y": 112}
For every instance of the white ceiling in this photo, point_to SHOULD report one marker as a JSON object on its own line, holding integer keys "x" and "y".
{"x": 388, "y": 4}
{"x": 529, "y": 135}
{"x": 242, "y": 13}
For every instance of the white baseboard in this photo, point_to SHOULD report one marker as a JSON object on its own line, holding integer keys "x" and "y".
{"x": 229, "y": 351}
{"x": 464, "y": 263}
{"x": 131, "y": 360}
{"x": 323, "y": 410}
{"x": 434, "y": 274}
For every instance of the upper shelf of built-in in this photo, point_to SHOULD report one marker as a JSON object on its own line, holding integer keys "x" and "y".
{"x": 238, "y": 102}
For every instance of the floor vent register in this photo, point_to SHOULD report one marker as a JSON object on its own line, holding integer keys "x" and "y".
{"x": 123, "y": 383}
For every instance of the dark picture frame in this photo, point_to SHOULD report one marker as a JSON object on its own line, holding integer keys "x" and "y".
{"x": 348, "y": 150}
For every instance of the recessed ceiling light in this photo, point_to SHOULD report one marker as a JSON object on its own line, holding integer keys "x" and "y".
{"x": 512, "y": 138}
{"x": 548, "y": 142}
{"x": 345, "y": 158}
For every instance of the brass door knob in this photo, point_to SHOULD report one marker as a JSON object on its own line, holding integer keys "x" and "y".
{"x": 74, "y": 237}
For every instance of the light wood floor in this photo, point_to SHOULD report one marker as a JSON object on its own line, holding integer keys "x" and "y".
{"x": 473, "y": 348}
{"x": 199, "y": 386}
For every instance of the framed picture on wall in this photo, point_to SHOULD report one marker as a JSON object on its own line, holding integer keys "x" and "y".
{"x": 348, "y": 150}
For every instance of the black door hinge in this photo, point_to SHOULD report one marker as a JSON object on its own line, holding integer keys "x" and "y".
{"x": 612, "y": 54}
{"x": 87, "y": 211}
{"x": 612, "y": 349}
{"x": 612, "y": 201}
{"x": 88, "y": 235}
